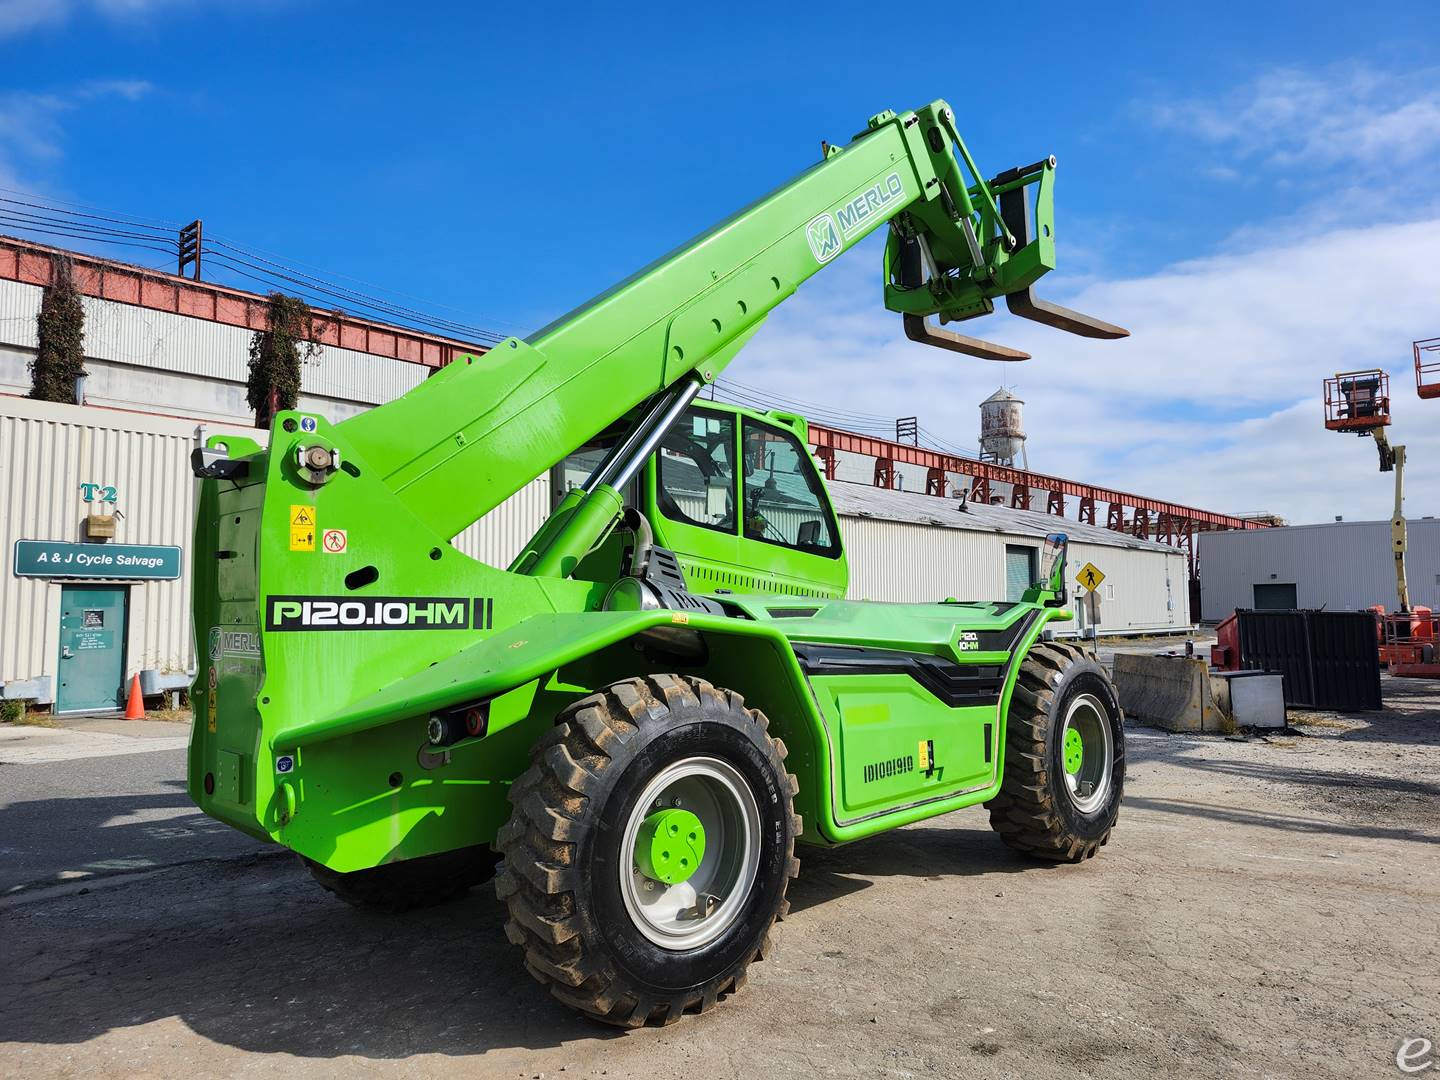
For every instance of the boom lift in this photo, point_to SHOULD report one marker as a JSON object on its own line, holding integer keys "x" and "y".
{"x": 1359, "y": 402}
{"x": 639, "y": 712}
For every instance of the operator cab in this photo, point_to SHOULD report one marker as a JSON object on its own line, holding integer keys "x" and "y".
{"x": 737, "y": 497}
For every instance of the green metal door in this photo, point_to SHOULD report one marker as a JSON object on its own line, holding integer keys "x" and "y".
{"x": 1275, "y": 597}
{"x": 1019, "y": 570}
{"x": 92, "y": 648}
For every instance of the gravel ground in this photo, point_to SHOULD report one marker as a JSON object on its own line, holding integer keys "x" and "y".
{"x": 1266, "y": 908}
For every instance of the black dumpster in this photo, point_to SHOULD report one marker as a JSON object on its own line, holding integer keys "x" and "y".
{"x": 1330, "y": 659}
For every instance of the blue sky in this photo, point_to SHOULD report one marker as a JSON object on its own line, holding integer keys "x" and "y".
{"x": 1244, "y": 185}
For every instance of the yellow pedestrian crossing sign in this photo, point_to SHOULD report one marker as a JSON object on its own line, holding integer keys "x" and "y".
{"x": 1090, "y": 576}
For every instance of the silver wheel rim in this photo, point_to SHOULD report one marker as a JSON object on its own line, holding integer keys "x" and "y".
{"x": 696, "y": 911}
{"x": 1089, "y": 785}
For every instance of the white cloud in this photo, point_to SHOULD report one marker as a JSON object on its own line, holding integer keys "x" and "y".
{"x": 1289, "y": 118}
{"x": 1215, "y": 399}
{"x": 31, "y": 124}
{"x": 19, "y": 16}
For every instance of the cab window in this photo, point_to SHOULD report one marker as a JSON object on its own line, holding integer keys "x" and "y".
{"x": 695, "y": 480}
{"x": 784, "y": 501}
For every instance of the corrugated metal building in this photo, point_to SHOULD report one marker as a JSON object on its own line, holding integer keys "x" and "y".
{"x": 906, "y": 547}
{"x": 1340, "y": 566}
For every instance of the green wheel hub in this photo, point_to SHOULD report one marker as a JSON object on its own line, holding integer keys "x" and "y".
{"x": 670, "y": 845}
{"x": 1074, "y": 751}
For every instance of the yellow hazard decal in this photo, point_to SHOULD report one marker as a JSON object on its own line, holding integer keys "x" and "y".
{"x": 303, "y": 520}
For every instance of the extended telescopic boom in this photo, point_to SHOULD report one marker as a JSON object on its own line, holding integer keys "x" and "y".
{"x": 463, "y": 441}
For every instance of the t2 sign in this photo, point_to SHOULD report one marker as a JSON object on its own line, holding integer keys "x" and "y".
{"x": 105, "y": 493}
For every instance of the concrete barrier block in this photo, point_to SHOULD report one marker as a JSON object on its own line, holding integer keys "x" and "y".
{"x": 1170, "y": 692}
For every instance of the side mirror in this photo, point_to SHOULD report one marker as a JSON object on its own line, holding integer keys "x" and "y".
{"x": 1052, "y": 569}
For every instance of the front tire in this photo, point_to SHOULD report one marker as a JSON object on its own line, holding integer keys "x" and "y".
{"x": 615, "y": 922}
{"x": 1064, "y": 757}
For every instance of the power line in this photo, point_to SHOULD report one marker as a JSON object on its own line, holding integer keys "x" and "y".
{"x": 34, "y": 214}
{"x": 340, "y": 292}
{"x": 57, "y": 204}
{"x": 257, "y": 253}
{"x": 862, "y": 423}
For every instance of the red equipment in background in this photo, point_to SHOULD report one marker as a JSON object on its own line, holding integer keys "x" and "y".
{"x": 1409, "y": 641}
{"x": 1225, "y": 653}
{"x": 1427, "y": 367}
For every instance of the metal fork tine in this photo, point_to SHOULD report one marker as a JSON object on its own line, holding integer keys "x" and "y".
{"x": 1025, "y": 304}
{"x": 917, "y": 329}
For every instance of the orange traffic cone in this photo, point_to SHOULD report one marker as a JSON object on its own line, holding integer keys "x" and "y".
{"x": 135, "y": 707}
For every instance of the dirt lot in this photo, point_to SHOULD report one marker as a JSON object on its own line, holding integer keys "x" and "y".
{"x": 1266, "y": 907}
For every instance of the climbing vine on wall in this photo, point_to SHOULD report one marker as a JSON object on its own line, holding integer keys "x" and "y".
{"x": 276, "y": 356}
{"x": 60, "y": 326}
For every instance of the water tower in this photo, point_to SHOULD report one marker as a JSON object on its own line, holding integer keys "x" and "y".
{"x": 1002, "y": 430}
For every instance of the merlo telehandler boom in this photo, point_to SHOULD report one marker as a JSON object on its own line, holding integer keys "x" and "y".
{"x": 612, "y": 713}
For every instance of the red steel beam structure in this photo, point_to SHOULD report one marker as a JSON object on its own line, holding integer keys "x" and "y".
{"x": 33, "y": 264}
{"x": 1149, "y": 519}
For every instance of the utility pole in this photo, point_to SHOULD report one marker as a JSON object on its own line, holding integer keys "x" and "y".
{"x": 190, "y": 237}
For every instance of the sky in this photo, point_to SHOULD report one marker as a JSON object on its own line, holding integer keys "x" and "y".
{"x": 1248, "y": 188}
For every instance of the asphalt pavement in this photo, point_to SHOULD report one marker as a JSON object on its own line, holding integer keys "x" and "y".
{"x": 100, "y": 797}
{"x": 1266, "y": 907}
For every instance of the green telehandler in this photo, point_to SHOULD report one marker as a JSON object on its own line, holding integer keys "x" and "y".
{"x": 629, "y": 724}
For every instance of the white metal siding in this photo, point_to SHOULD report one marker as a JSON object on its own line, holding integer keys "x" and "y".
{"x": 1342, "y": 565}
{"x": 46, "y": 452}
{"x": 1143, "y": 589}
{"x": 903, "y": 563}
{"x": 898, "y": 562}
{"x": 498, "y": 536}
{"x": 174, "y": 346}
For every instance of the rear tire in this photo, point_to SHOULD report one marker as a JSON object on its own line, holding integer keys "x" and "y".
{"x": 414, "y": 883}
{"x": 1064, "y": 757}
{"x": 624, "y": 945}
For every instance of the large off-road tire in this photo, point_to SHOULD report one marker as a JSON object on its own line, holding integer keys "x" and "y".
{"x": 414, "y": 883}
{"x": 1064, "y": 757}
{"x": 628, "y": 945}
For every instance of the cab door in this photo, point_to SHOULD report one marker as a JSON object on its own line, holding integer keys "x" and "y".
{"x": 787, "y": 524}
{"x": 691, "y": 494}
